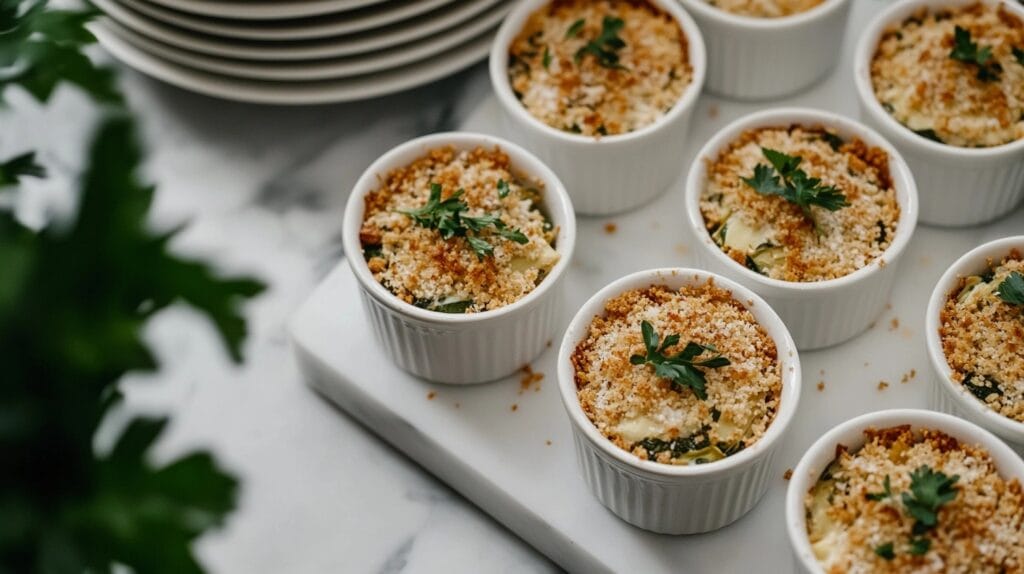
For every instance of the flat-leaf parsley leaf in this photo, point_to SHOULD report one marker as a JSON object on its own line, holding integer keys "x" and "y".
{"x": 964, "y": 50}
{"x": 1011, "y": 289}
{"x": 449, "y": 219}
{"x": 605, "y": 48}
{"x": 680, "y": 368}
{"x": 785, "y": 179}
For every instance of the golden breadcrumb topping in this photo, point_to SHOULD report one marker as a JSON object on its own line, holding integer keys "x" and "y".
{"x": 765, "y": 8}
{"x": 946, "y": 99}
{"x": 422, "y": 268}
{"x": 651, "y": 417}
{"x": 775, "y": 237}
{"x": 855, "y": 525}
{"x": 983, "y": 338}
{"x": 567, "y": 76}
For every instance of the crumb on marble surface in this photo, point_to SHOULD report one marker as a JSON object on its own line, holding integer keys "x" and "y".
{"x": 821, "y": 386}
{"x": 529, "y": 378}
{"x": 610, "y": 228}
{"x": 515, "y": 407}
{"x": 882, "y": 385}
{"x": 431, "y": 395}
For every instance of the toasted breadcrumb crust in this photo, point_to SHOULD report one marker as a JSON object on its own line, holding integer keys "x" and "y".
{"x": 577, "y": 94}
{"x": 983, "y": 339}
{"x": 765, "y": 8}
{"x": 836, "y": 243}
{"x": 980, "y": 530}
{"x": 420, "y": 267}
{"x": 628, "y": 403}
{"x": 924, "y": 89}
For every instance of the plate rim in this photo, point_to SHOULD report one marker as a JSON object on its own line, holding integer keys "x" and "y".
{"x": 295, "y": 93}
{"x": 314, "y": 49}
{"x": 265, "y": 10}
{"x": 328, "y": 69}
{"x": 238, "y": 29}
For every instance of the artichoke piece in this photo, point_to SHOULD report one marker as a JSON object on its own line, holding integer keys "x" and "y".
{"x": 767, "y": 256}
{"x": 975, "y": 288}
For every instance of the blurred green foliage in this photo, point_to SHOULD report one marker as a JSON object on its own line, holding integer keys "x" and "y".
{"x": 74, "y": 300}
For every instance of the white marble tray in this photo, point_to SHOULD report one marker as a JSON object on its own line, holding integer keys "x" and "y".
{"x": 509, "y": 450}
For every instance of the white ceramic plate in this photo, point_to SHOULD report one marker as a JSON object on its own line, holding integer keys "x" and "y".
{"x": 421, "y": 27}
{"x": 289, "y": 29}
{"x": 304, "y": 71}
{"x": 295, "y": 93}
{"x": 264, "y": 9}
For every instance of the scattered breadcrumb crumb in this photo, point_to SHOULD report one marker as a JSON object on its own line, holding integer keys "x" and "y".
{"x": 908, "y": 376}
{"x": 547, "y": 442}
{"x": 788, "y": 474}
{"x": 515, "y": 407}
{"x": 458, "y": 405}
{"x": 894, "y": 324}
{"x": 431, "y": 395}
{"x": 713, "y": 111}
{"x": 610, "y": 228}
{"x": 529, "y": 378}
{"x": 821, "y": 386}
{"x": 549, "y": 343}
{"x": 882, "y": 385}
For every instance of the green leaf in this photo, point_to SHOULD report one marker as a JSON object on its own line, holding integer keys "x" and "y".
{"x": 885, "y": 551}
{"x": 1011, "y": 290}
{"x": 968, "y": 52}
{"x": 1018, "y": 54}
{"x": 20, "y": 166}
{"x": 40, "y": 49}
{"x": 680, "y": 368}
{"x": 796, "y": 186}
{"x": 606, "y": 46}
{"x": 929, "y": 490}
{"x": 545, "y": 61}
{"x": 503, "y": 189}
{"x": 919, "y": 546}
{"x": 448, "y": 217}
{"x": 575, "y": 28}
{"x": 453, "y": 306}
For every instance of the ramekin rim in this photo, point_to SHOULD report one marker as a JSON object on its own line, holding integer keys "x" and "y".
{"x": 898, "y": 168}
{"x": 765, "y": 315}
{"x": 801, "y": 480}
{"x": 498, "y": 67}
{"x": 783, "y": 23}
{"x": 556, "y": 199}
{"x": 862, "y": 56}
{"x": 1000, "y": 424}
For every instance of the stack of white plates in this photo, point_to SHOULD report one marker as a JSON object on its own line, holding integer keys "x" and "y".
{"x": 298, "y": 51}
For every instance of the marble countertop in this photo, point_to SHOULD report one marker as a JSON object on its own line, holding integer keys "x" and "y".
{"x": 262, "y": 190}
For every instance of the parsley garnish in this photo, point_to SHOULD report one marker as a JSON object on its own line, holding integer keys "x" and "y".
{"x": 546, "y": 58}
{"x": 1011, "y": 289}
{"x": 796, "y": 186}
{"x": 606, "y": 46}
{"x": 964, "y": 50}
{"x": 885, "y": 551}
{"x": 575, "y": 28}
{"x": 503, "y": 189}
{"x": 1018, "y": 54}
{"x": 886, "y": 491}
{"x": 680, "y": 368}
{"x": 919, "y": 546}
{"x": 448, "y": 217}
{"x": 929, "y": 490}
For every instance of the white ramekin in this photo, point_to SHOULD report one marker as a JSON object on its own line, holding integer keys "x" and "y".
{"x": 947, "y": 395}
{"x": 608, "y": 174}
{"x": 821, "y": 313}
{"x": 462, "y": 348}
{"x": 959, "y": 186}
{"x": 756, "y": 58}
{"x": 665, "y": 498}
{"x": 851, "y": 435}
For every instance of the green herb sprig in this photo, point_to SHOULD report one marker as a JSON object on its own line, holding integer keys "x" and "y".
{"x": 605, "y": 48}
{"x": 15, "y": 168}
{"x": 929, "y": 491}
{"x": 681, "y": 368}
{"x": 1011, "y": 290}
{"x": 968, "y": 52}
{"x": 449, "y": 218}
{"x": 785, "y": 179}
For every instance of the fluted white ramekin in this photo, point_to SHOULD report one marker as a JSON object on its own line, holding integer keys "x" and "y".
{"x": 661, "y": 497}
{"x": 946, "y": 394}
{"x": 851, "y": 435}
{"x": 462, "y": 348}
{"x": 959, "y": 186}
{"x": 756, "y": 58}
{"x": 607, "y": 174}
{"x": 820, "y": 313}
